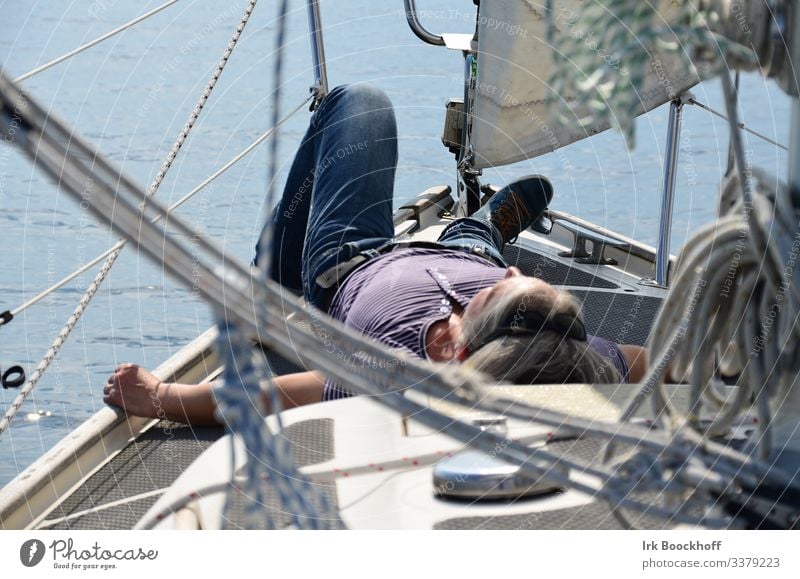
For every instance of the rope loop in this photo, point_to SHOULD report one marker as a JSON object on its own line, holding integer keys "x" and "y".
{"x": 13, "y": 377}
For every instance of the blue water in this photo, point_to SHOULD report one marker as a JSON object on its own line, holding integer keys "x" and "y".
{"x": 131, "y": 95}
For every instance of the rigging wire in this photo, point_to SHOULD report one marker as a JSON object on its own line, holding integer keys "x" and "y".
{"x": 10, "y": 314}
{"x": 94, "y": 42}
{"x": 90, "y": 292}
{"x": 740, "y": 125}
{"x": 272, "y": 161}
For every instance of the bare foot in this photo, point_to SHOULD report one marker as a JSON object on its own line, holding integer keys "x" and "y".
{"x": 136, "y": 391}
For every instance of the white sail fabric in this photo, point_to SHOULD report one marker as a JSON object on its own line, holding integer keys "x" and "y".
{"x": 513, "y": 119}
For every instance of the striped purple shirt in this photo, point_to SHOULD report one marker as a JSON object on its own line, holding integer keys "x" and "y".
{"x": 396, "y": 297}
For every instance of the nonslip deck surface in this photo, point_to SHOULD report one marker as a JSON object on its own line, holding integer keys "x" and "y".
{"x": 552, "y": 271}
{"x": 623, "y": 318}
{"x": 112, "y": 497}
{"x": 108, "y": 500}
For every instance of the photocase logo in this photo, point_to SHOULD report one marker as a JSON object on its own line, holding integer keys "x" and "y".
{"x": 31, "y": 552}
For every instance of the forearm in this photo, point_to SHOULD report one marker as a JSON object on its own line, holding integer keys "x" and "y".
{"x": 297, "y": 390}
{"x": 190, "y": 403}
{"x": 195, "y": 403}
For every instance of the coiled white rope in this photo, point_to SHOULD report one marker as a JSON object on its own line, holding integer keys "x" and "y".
{"x": 741, "y": 291}
{"x": 734, "y": 309}
{"x": 112, "y": 258}
{"x": 736, "y": 299}
{"x": 729, "y": 304}
{"x": 736, "y": 293}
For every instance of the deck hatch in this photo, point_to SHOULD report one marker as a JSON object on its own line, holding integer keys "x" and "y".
{"x": 594, "y": 515}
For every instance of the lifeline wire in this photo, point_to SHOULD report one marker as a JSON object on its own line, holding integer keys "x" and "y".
{"x": 94, "y": 42}
{"x": 90, "y": 292}
{"x": 739, "y": 125}
{"x": 241, "y": 155}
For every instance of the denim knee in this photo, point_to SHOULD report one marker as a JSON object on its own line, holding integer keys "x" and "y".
{"x": 352, "y": 100}
{"x": 372, "y": 96}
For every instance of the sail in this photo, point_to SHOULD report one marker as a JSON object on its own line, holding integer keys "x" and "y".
{"x": 514, "y": 118}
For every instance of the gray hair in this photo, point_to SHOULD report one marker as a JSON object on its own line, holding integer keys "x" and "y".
{"x": 548, "y": 357}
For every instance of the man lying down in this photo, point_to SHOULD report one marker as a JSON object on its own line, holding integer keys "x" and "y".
{"x": 453, "y": 301}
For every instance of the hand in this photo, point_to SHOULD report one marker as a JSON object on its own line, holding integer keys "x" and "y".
{"x": 136, "y": 391}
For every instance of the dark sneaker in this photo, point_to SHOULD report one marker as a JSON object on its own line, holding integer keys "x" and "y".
{"x": 516, "y": 206}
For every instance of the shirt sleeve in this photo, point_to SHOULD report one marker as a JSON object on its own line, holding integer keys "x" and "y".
{"x": 332, "y": 391}
{"x": 612, "y": 353}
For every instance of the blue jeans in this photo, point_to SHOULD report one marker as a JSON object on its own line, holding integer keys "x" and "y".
{"x": 337, "y": 202}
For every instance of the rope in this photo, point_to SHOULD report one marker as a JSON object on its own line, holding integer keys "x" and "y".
{"x": 54, "y": 348}
{"x": 734, "y": 309}
{"x": 202, "y": 101}
{"x": 268, "y": 456}
{"x": 94, "y": 42}
{"x": 238, "y": 399}
{"x": 272, "y": 162}
{"x": 224, "y": 168}
{"x": 112, "y": 258}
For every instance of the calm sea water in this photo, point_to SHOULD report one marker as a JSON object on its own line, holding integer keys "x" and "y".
{"x": 131, "y": 96}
